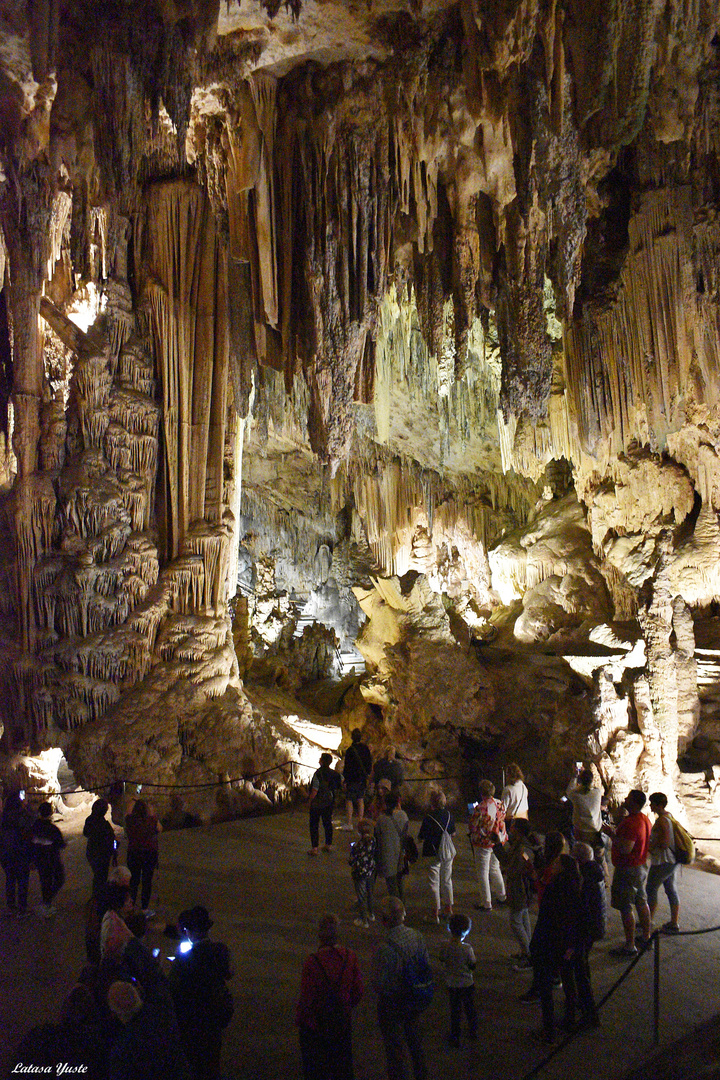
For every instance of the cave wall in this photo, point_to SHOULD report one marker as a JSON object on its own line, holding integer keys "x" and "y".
{"x": 434, "y": 291}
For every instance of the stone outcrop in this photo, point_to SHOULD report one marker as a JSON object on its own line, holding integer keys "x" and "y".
{"x": 399, "y": 323}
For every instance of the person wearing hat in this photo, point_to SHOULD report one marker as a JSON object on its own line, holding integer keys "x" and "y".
{"x": 203, "y": 1002}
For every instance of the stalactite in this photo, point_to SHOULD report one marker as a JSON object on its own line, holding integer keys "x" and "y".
{"x": 188, "y": 303}
{"x": 212, "y": 545}
{"x": 625, "y": 366}
{"x": 186, "y": 577}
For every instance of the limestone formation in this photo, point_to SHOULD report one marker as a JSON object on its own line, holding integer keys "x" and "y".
{"x": 378, "y": 342}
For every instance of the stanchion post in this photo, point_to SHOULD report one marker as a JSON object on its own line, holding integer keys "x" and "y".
{"x": 656, "y": 989}
{"x": 292, "y": 774}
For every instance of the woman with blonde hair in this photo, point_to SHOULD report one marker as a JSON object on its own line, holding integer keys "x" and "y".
{"x": 514, "y": 794}
{"x": 487, "y": 827}
{"x": 435, "y": 831}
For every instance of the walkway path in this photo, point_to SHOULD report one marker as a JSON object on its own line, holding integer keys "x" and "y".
{"x": 265, "y": 895}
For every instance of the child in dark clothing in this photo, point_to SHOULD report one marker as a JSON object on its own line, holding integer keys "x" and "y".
{"x": 47, "y": 843}
{"x": 458, "y": 960}
{"x": 362, "y": 865}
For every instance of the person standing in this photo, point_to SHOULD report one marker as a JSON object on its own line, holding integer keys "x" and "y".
{"x": 47, "y": 843}
{"x": 517, "y": 860}
{"x": 16, "y": 852}
{"x": 356, "y": 773}
{"x": 141, "y": 829}
{"x": 514, "y": 795}
{"x": 390, "y": 832}
{"x": 363, "y": 869}
{"x": 101, "y": 842}
{"x": 630, "y": 846}
{"x": 435, "y": 831}
{"x": 330, "y": 988}
{"x": 198, "y": 983}
{"x": 663, "y": 862}
{"x": 324, "y": 784}
{"x": 556, "y": 942}
{"x": 458, "y": 960}
{"x": 389, "y": 768}
{"x": 399, "y": 1009}
{"x": 586, "y": 802}
{"x": 487, "y": 827}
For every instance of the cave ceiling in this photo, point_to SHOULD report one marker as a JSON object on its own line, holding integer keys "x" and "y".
{"x": 402, "y": 315}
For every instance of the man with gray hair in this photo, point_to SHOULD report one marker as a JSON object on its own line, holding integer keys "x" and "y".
{"x": 402, "y": 979}
{"x": 148, "y": 1047}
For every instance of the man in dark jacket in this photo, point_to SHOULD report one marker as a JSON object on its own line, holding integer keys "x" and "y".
{"x": 559, "y": 936}
{"x": 203, "y": 1002}
{"x": 147, "y": 1047}
{"x": 389, "y": 768}
{"x": 356, "y": 773}
{"x": 16, "y": 852}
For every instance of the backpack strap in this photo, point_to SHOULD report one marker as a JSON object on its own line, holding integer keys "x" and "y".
{"x": 334, "y": 983}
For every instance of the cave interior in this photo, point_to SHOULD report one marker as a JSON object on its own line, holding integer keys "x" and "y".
{"x": 360, "y": 367}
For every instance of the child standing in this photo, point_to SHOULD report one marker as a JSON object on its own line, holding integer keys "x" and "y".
{"x": 458, "y": 960}
{"x": 362, "y": 859}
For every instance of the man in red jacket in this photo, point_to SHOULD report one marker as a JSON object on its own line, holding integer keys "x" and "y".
{"x": 630, "y": 840}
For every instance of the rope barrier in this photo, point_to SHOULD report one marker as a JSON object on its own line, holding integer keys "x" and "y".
{"x": 653, "y": 940}
{"x": 224, "y": 783}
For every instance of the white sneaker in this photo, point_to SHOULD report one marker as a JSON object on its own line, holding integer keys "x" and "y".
{"x": 371, "y": 918}
{"x": 361, "y": 922}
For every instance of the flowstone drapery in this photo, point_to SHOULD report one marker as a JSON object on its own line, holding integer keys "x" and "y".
{"x": 422, "y": 295}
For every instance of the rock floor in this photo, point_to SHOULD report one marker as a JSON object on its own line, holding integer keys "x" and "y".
{"x": 265, "y": 895}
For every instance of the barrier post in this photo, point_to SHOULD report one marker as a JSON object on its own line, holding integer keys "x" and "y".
{"x": 656, "y": 988}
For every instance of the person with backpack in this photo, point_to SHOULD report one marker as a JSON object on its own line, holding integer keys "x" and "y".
{"x": 198, "y": 983}
{"x": 330, "y": 988}
{"x": 324, "y": 784}
{"x": 356, "y": 773}
{"x": 402, "y": 979}
{"x": 435, "y": 832}
{"x": 663, "y": 862}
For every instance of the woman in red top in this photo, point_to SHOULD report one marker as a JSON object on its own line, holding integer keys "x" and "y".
{"x": 141, "y": 829}
{"x": 330, "y": 987}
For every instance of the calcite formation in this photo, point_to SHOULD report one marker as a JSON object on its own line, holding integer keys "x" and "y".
{"x": 369, "y": 343}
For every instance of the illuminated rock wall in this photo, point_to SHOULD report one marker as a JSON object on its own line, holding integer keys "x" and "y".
{"x": 430, "y": 293}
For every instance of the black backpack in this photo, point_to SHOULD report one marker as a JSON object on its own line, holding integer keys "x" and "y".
{"x": 331, "y": 1016}
{"x": 417, "y": 983}
{"x": 325, "y": 793}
